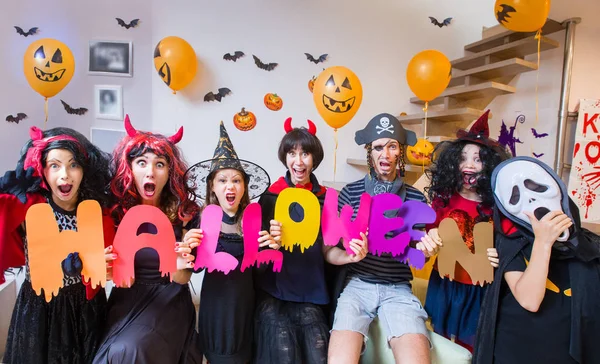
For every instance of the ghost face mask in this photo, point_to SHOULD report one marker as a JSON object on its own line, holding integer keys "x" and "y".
{"x": 522, "y": 186}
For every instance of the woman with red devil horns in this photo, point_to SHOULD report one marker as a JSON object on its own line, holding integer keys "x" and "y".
{"x": 290, "y": 325}
{"x": 153, "y": 320}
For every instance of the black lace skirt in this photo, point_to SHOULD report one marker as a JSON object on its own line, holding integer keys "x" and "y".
{"x": 65, "y": 330}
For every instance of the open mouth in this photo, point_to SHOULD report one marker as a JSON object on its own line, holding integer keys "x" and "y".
{"x": 149, "y": 189}
{"x": 48, "y": 77}
{"x": 299, "y": 172}
{"x": 338, "y": 106}
{"x": 385, "y": 166}
{"x": 230, "y": 197}
{"x": 470, "y": 178}
{"x": 165, "y": 73}
{"x": 65, "y": 189}
{"x": 146, "y": 228}
{"x": 540, "y": 212}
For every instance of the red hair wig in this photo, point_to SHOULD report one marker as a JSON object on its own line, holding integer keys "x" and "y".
{"x": 177, "y": 200}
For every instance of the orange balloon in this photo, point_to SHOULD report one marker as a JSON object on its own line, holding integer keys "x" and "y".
{"x": 337, "y": 94}
{"x": 428, "y": 74}
{"x": 522, "y": 15}
{"x": 48, "y": 65}
{"x": 175, "y": 61}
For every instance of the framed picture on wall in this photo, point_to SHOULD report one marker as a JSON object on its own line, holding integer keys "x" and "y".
{"x": 111, "y": 58}
{"x": 109, "y": 102}
{"x": 106, "y": 139}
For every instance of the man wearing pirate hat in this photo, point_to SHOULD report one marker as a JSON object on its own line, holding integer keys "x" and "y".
{"x": 379, "y": 285}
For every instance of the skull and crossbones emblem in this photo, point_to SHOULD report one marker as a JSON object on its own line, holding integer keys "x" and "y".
{"x": 384, "y": 125}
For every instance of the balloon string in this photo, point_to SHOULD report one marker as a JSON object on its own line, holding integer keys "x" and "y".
{"x": 174, "y": 92}
{"x": 335, "y": 152}
{"x": 425, "y": 124}
{"x": 538, "y": 36}
{"x": 45, "y": 112}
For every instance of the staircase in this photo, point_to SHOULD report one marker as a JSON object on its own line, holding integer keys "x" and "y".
{"x": 477, "y": 78}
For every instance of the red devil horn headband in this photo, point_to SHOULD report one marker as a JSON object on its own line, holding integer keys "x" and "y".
{"x": 287, "y": 126}
{"x": 176, "y": 138}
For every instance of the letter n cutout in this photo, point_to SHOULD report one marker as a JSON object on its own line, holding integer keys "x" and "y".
{"x": 47, "y": 247}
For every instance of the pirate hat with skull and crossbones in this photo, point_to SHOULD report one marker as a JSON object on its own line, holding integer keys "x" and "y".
{"x": 385, "y": 126}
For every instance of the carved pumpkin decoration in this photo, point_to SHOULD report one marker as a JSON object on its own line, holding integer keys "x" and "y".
{"x": 311, "y": 84}
{"x": 273, "y": 102}
{"x": 420, "y": 153}
{"x": 175, "y": 61}
{"x": 244, "y": 120}
{"x": 522, "y": 15}
{"x": 48, "y": 66}
{"x": 337, "y": 95}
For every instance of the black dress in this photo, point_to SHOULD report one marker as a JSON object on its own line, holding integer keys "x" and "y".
{"x": 227, "y": 306}
{"x": 65, "y": 330}
{"x": 150, "y": 322}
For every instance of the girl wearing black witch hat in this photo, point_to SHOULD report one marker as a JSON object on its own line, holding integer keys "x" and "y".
{"x": 226, "y": 314}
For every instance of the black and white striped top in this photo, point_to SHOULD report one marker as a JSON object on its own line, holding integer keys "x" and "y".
{"x": 373, "y": 268}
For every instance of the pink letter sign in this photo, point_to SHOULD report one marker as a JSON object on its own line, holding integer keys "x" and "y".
{"x": 251, "y": 225}
{"x": 336, "y": 227}
{"x": 207, "y": 255}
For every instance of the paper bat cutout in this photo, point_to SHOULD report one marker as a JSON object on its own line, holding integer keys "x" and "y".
{"x": 445, "y": 23}
{"x": 236, "y": 55}
{"x": 538, "y": 155}
{"x": 72, "y": 111}
{"x": 47, "y": 247}
{"x": 143, "y": 226}
{"x": 131, "y": 24}
{"x": 322, "y": 58}
{"x": 303, "y": 233}
{"x": 31, "y": 31}
{"x": 224, "y": 91}
{"x": 15, "y": 119}
{"x": 538, "y": 135}
{"x": 264, "y": 66}
{"x": 503, "y": 15}
{"x": 455, "y": 251}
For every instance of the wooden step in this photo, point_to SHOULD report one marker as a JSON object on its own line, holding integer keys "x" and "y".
{"x": 518, "y": 49}
{"x": 486, "y": 90}
{"x": 507, "y": 68}
{"x": 363, "y": 163}
{"x": 452, "y": 115}
{"x": 507, "y": 36}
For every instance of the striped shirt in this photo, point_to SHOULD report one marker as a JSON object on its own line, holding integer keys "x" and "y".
{"x": 373, "y": 268}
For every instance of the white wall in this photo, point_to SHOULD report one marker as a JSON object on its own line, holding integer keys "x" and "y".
{"x": 74, "y": 23}
{"x": 375, "y": 39}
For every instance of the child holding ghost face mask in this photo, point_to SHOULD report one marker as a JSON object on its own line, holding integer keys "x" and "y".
{"x": 460, "y": 189}
{"x": 543, "y": 304}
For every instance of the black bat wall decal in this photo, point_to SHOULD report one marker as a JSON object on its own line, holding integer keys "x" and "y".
{"x": 73, "y": 111}
{"x": 31, "y": 31}
{"x": 445, "y": 23}
{"x": 15, "y": 119}
{"x": 264, "y": 66}
{"x": 236, "y": 55}
{"x": 224, "y": 91}
{"x": 503, "y": 14}
{"x": 538, "y": 155}
{"x": 322, "y": 58}
{"x": 538, "y": 135}
{"x": 131, "y": 24}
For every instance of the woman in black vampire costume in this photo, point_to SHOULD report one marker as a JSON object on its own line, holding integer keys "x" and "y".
{"x": 227, "y": 300}
{"x": 544, "y": 304}
{"x": 152, "y": 321}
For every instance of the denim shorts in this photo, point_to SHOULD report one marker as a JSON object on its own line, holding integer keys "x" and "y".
{"x": 399, "y": 311}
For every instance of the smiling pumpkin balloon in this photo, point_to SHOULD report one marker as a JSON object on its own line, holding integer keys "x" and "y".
{"x": 175, "y": 61}
{"x": 522, "y": 15}
{"x": 48, "y": 65}
{"x": 337, "y": 94}
{"x": 420, "y": 153}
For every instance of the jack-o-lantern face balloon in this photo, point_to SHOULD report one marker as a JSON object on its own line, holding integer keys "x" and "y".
{"x": 337, "y": 94}
{"x": 48, "y": 66}
{"x": 175, "y": 61}
{"x": 420, "y": 153}
{"x": 522, "y": 15}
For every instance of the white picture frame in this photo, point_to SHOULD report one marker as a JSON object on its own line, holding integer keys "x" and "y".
{"x": 110, "y": 58}
{"x": 106, "y": 139}
{"x": 108, "y": 100}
